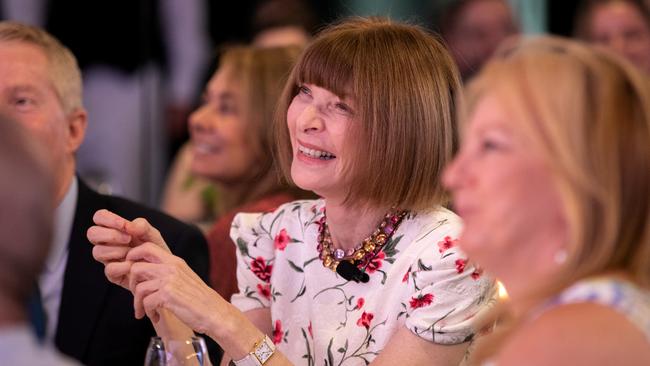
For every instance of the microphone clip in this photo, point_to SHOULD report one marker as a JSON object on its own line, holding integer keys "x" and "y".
{"x": 351, "y": 272}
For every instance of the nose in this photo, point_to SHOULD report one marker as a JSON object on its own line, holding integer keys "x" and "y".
{"x": 199, "y": 121}
{"x": 454, "y": 173}
{"x": 618, "y": 43}
{"x": 310, "y": 119}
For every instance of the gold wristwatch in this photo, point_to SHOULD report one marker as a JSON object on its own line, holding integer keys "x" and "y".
{"x": 262, "y": 351}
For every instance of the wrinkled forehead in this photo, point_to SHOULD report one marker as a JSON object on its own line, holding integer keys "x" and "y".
{"x": 25, "y": 66}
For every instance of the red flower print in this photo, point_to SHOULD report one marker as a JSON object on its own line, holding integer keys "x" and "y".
{"x": 360, "y": 302}
{"x": 460, "y": 265}
{"x": 277, "y": 332}
{"x": 311, "y": 332}
{"x": 264, "y": 290}
{"x": 375, "y": 262}
{"x": 406, "y": 275}
{"x": 365, "y": 320}
{"x": 446, "y": 243}
{"x": 261, "y": 269}
{"x": 281, "y": 240}
{"x": 477, "y": 273}
{"x": 421, "y": 300}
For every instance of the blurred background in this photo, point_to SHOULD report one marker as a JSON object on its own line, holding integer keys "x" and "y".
{"x": 145, "y": 62}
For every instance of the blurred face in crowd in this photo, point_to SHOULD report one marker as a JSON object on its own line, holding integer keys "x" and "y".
{"x": 281, "y": 36}
{"x": 218, "y": 129}
{"x": 318, "y": 120}
{"x": 505, "y": 193}
{"x": 480, "y": 27}
{"x": 27, "y": 95}
{"x": 620, "y": 26}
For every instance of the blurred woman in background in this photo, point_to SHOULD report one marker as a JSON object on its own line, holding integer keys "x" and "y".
{"x": 621, "y": 25}
{"x": 553, "y": 183}
{"x": 231, "y": 146}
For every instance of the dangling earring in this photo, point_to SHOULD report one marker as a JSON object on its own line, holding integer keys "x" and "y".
{"x": 560, "y": 256}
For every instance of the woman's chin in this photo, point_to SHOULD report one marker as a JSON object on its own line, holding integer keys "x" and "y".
{"x": 471, "y": 244}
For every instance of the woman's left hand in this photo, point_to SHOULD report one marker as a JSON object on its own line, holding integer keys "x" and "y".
{"x": 159, "y": 280}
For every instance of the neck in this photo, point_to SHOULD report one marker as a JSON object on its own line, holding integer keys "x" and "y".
{"x": 64, "y": 182}
{"x": 349, "y": 225}
{"x": 522, "y": 294}
{"x": 533, "y": 266}
{"x": 11, "y": 314}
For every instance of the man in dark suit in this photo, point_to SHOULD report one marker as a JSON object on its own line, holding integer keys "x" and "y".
{"x": 87, "y": 317}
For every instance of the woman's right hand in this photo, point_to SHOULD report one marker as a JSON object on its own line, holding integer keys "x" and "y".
{"x": 113, "y": 237}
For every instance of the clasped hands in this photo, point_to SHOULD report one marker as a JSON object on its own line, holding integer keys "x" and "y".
{"x": 137, "y": 258}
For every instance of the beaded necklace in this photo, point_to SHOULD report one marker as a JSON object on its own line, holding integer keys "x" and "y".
{"x": 361, "y": 254}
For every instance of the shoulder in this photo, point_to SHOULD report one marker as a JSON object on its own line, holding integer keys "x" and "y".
{"x": 286, "y": 216}
{"x": 435, "y": 224}
{"x": 267, "y": 203}
{"x": 258, "y": 208}
{"x": 434, "y": 236}
{"x": 580, "y": 333}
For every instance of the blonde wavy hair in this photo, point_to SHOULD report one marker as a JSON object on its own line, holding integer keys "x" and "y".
{"x": 588, "y": 112}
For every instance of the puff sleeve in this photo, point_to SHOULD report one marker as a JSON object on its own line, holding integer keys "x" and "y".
{"x": 446, "y": 292}
{"x": 255, "y": 260}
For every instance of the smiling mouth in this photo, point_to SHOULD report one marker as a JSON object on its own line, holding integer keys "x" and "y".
{"x": 204, "y": 148}
{"x": 316, "y": 154}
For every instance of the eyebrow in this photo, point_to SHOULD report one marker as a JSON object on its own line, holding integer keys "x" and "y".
{"x": 346, "y": 96}
{"x": 220, "y": 97}
{"x": 24, "y": 88}
{"x": 495, "y": 126}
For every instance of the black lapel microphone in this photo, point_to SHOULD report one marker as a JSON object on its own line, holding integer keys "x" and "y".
{"x": 351, "y": 272}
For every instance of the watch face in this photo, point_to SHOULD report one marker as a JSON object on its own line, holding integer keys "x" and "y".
{"x": 263, "y": 352}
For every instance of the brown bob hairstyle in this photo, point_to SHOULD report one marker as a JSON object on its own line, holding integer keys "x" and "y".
{"x": 404, "y": 84}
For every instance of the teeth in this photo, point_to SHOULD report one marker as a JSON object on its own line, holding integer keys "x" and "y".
{"x": 204, "y": 148}
{"x": 316, "y": 154}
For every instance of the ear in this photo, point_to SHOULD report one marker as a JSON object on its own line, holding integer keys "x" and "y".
{"x": 77, "y": 122}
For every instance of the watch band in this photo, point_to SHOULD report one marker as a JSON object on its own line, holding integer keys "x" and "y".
{"x": 262, "y": 351}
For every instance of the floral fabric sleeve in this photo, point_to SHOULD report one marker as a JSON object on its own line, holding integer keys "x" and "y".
{"x": 447, "y": 292}
{"x": 255, "y": 260}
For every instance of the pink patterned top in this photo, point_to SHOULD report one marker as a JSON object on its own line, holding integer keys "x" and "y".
{"x": 420, "y": 280}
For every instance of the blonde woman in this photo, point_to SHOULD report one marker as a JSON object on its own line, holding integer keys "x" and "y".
{"x": 553, "y": 183}
{"x": 370, "y": 273}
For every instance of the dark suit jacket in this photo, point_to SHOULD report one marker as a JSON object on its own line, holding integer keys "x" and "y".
{"x": 96, "y": 318}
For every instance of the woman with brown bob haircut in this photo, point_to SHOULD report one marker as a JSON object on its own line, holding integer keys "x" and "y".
{"x": 553, "y": 184}
{"x": 369, "y": 273}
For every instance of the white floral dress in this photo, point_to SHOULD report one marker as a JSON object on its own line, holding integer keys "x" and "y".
{"x": 628, "y": 299}
{"x": 419, "y": 280}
